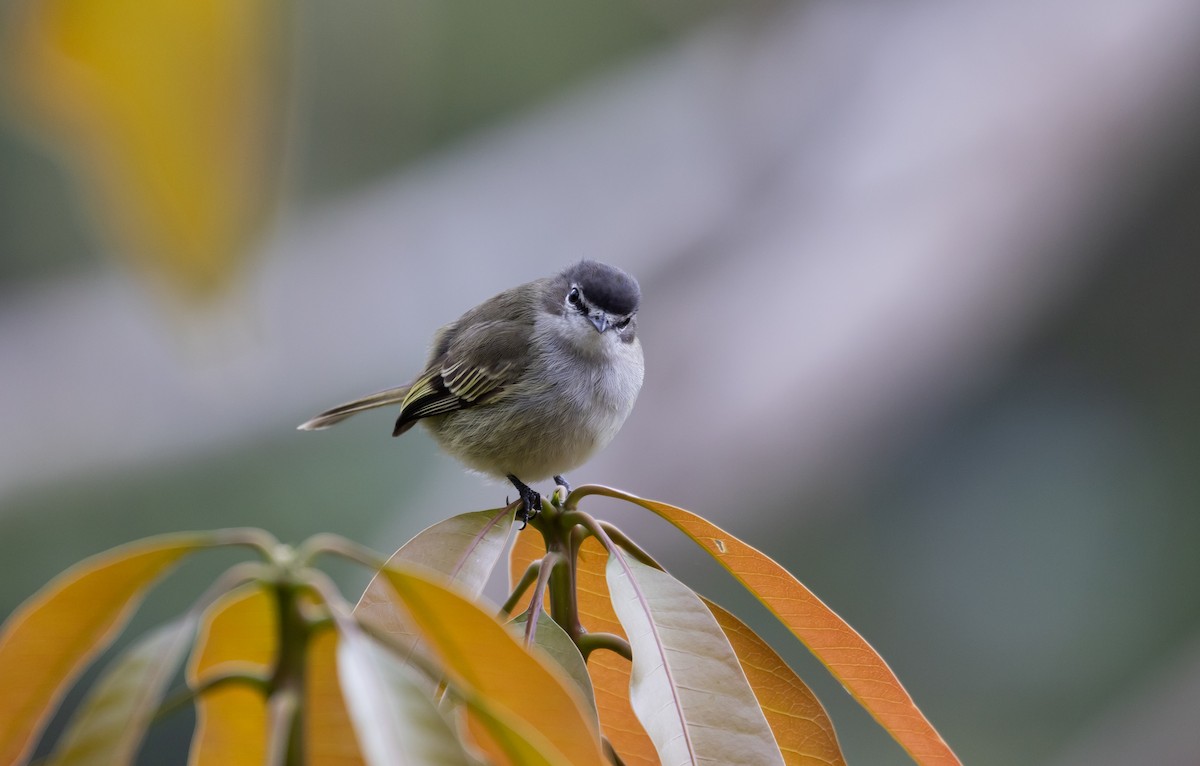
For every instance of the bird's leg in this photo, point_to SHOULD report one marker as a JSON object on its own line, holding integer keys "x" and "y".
{"x": 529, "y": 497}
{"x": 562, "y": 482}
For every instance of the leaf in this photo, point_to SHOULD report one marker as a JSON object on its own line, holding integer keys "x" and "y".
{"x": 167, "y": 113}
{"x": 526, "y": 549}
{"x": 108, "y": 728}
{"x": 329, "y": 734}
{"x": 830, "y": 638}
{"x": 554, "y": 641}
{"x": 238, "y": 634}
{"x": 463, "y": 548}
{"x": 479, "y": 650}
{"x": 52, "y": 637}
{"x": 687, "y": 686}
{"x": 802, "y": 727}
{"x": 608, "y": 670}
{"x": 395, "y": 719}
{"x": 510, "y": 739}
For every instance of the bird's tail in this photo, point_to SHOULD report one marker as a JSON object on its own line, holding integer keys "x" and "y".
{"x": 341, "y": 412}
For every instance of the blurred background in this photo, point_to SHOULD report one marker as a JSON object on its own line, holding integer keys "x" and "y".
{"x": 919, "y": 306}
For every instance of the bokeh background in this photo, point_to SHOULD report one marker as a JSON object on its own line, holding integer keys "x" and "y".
{"x": 920, "y": 308}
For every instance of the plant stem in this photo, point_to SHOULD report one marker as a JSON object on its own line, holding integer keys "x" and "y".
{"x": 549, "y": 563}
{"x": 259, "y": 539}
{"x": 185, "y": 695}
{"x": 590, "y": 642}
{"x": 286, "y": 702}
{"x": 558, "y": 532}
{"x": 588, "y": 522}
{"x": 632, "y": 548}
{"x": 527, "y": 579}
{"x": 337, "y": 545}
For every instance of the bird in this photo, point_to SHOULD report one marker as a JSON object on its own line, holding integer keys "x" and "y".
{"x": 529, "y": 384}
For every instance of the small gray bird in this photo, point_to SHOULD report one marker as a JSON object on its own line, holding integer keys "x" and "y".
{"x": 529, "y": 383}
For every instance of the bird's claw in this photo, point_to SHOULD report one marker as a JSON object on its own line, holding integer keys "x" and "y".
{"x": 531, "y": 505}
{"x": 531, "y": 501}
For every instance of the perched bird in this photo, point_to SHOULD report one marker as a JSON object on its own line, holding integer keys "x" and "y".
{"x": 530, "y": 383}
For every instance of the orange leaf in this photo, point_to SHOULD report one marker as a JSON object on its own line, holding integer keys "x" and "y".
{"x": 477, "y": 650}
{"x": 508, "y": 738}
{"x": 801, "y": 726}
{"x": 52, "y": 637}
{"x": 526, "y": 549}
{"x": 830, "y": 638}
{"x": 330, "y": 738}
{"x": 238, "y": 634}
{"x": 609, "y": 671}
{"x": 168, "y": 112}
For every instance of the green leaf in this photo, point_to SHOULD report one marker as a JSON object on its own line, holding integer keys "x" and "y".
{"x": 395, "y": 718}
{"x": 53, "y": 636}
{"x": 554, "y": 641}
{"x": 687, "y": 686}
{"x": 109, "y": 726}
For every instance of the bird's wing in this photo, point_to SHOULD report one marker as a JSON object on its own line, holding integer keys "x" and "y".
{"x": 478, "y": 364}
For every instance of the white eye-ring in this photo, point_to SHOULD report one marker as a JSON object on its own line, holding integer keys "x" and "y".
{"x": 573, "y": 297}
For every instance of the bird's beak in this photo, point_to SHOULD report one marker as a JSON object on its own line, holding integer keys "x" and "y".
{"x": 599, "y": 320}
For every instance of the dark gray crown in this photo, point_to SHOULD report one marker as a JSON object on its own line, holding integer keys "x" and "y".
{"x": 606, "y": 287}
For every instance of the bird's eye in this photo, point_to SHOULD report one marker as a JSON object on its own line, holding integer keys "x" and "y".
{"x": 573, "y": 297}
{"x": 623, "y": 323}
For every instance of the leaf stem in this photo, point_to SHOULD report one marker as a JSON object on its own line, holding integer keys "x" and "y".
{"x": 549, "y": 563}
{"x": 185, "y": 695}
{"x": 590, "y": 642}
{"x": 632, "y": 548}
{"x": 588, "y": 522}
{"x": 527, "y": 579}
{"x": 337, "y": 545}
{"x": 259, "y": 539}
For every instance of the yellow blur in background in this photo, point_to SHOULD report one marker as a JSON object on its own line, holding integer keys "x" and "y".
{"x": 170, "y": 118}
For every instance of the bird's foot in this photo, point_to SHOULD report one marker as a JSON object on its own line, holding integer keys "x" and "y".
{"x": 562, "y": 482}
{"x": 531, "y": 501}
